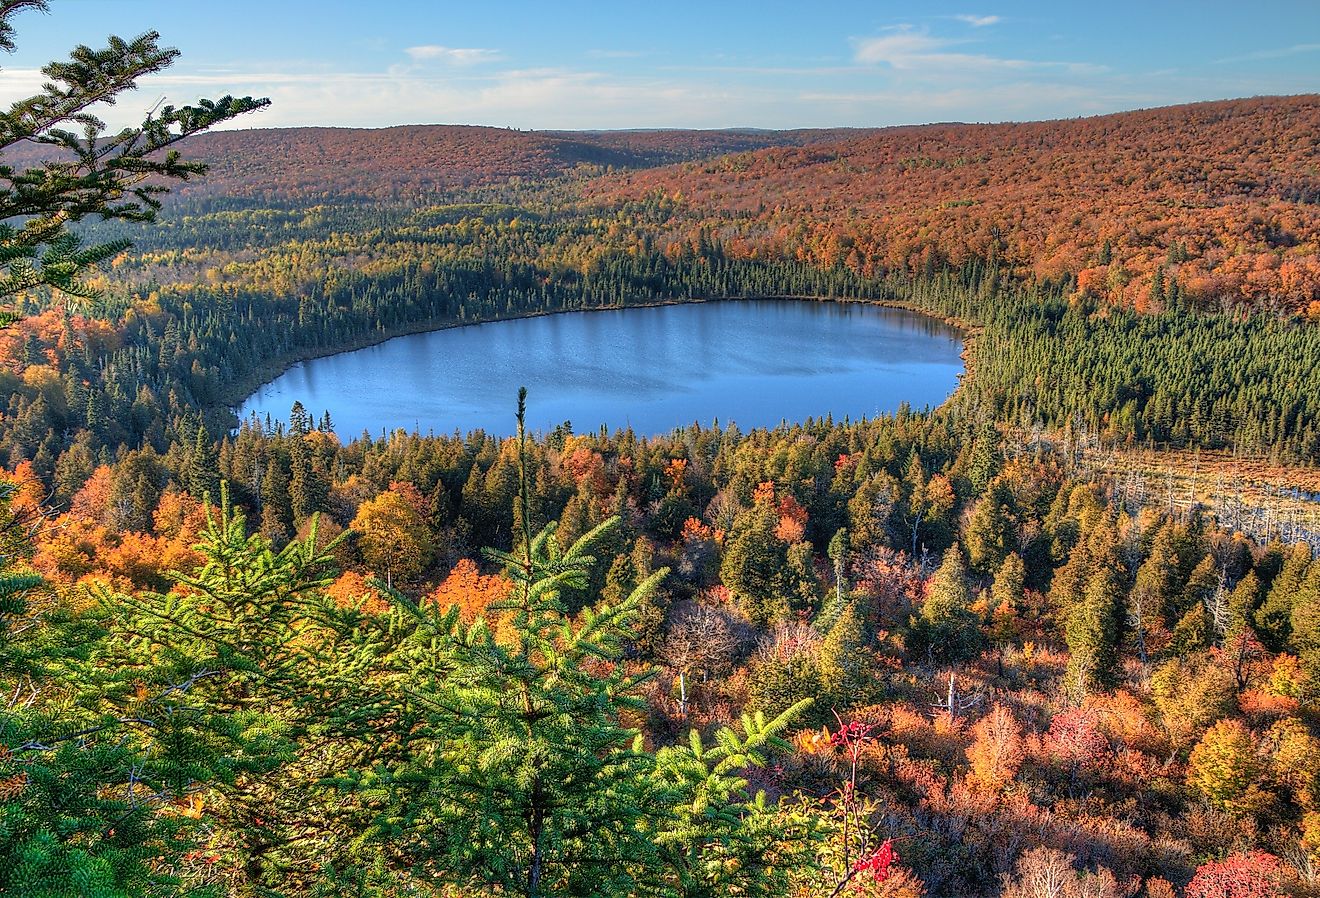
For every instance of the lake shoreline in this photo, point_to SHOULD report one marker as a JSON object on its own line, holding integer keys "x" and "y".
{"x": 234, "y": 395}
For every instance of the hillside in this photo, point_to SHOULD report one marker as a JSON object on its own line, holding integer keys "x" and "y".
{"x": 408, "y": 162}
{"x": 1224, "y": 197}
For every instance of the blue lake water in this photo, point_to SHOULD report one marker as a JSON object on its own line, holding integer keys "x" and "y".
{"x": 751, "y": 362}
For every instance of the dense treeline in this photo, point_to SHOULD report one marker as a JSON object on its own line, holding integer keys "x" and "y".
{"x": 411, "y": 162}
{"x": 86, "y": 390}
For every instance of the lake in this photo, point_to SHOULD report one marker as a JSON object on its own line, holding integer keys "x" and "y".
{"x": 751, "y": 362}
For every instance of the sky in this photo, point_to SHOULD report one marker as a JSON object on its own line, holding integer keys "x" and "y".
{"x": 565, "y": 64}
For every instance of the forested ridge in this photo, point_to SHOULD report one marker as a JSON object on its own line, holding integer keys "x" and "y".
{"x": 412, "y": 162}
{"x": 936, "y": 653}
{"x": 1220, "y": 197}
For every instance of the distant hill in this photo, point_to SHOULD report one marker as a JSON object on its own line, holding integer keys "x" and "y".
{"x": 404, "y": 162}
{"x": 1224, "y": 197}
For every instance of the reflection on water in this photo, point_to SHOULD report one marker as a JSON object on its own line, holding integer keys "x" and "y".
{"x": 754, "y": 362}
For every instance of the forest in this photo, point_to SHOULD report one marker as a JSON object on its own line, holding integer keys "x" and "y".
{"x": 945, "y": 652}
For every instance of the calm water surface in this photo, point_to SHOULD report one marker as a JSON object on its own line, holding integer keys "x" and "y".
{"x": 753, "y": 362}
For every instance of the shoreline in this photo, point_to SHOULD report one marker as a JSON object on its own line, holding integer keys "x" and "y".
{"x": 233, "y": 395}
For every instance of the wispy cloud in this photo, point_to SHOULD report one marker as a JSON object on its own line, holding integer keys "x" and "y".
{"x": 904, "y": 47}
{"x": 453, "y": 55}
{"x": 616, "y": 54}
{"x": 1277, "y": 53}
{"x": 978, "y": 21}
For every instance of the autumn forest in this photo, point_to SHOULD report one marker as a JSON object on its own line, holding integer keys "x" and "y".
{"x": 1058, "y": 637}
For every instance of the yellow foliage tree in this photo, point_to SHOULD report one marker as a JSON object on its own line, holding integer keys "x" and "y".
{"x": 394, "y": 537}
{"x": 997, "y": 750}
{"x": 1225, "y": 769}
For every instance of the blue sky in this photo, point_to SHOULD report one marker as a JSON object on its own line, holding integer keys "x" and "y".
{"x": 553, "y": 64}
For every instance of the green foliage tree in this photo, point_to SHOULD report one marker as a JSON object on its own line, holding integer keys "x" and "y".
{"x": 719, "y": 838}
{"x": 992, "y": 531}
{"x": 870, "y": 508}
{"x": 78, "y": 790}
{"x": 1153, "y": 590}
{"x": 1006, "y": 591}
{"x": 519, "y": 774}
{"x": 946, "y": 627}
{"x": 844, "y": 671}
{"x": 517, "y": 771}
{"x": 1274, "y": 617}
{"x": 1094, "y": 628}
{"x": 753, "y": 566}
{"x": 237, "y": 642}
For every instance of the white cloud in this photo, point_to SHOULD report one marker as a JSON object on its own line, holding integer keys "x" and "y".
{"x": 453, "y": 55}
{"x": 906, "y": 48}
{"x": 901, "y": 47}
{"x": 1279, "y": 53}
{"x": 978, "y": 21}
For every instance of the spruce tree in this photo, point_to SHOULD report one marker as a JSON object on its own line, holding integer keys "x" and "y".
{"x": 753, "y": 566}
{"x": 1094, "y": 629}
{"x": 1274, "y": 617}
{"x": 66, "y": 828}
{"x": 237, "y": 651}
{"x": 992, "y": 531}
{"x": 843, "y": 658}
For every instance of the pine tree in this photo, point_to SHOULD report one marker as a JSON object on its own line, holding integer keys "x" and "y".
{"x": 992, "y": 531}
{"x": 753, "y": 566}
{"x": 984, "y": 458}
{"x": 1153, "y": 590}
{"x": 203, "y": 472}
{"x": 1274, "y": 617}
{"x": 276, "y": 509}
{"x": 517, "y": 773}
{"x": 843, "y": 661}
{"x": 307, "y": 488}
{"x": 718, "y": 839}
{"x": 1006, "y": 590}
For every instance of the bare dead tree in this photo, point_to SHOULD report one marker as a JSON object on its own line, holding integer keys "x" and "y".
{"x": 701, "y": 640}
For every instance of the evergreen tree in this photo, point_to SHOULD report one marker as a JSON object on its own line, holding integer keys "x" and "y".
{"x": 203, "y": 474}
{"x": 1007, "y": 589}
{"x": 235, "y": 653}
{"x": 307, "y": 489}
{"x": 1154, "y": 589}
{"x": 753, "y": 566}
{"x": 992, "y": 530}
{"x": 276, "y": 509}
{"x": 1274, "y": 617}
{"x": 844, "y": 671}
{"x": 946, "y": 627}
{"x": 67, "y": 825}
{"x": 517, "y": 772}
{"x": 984, "y": 459}
{"x": 1094, "y": 630}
